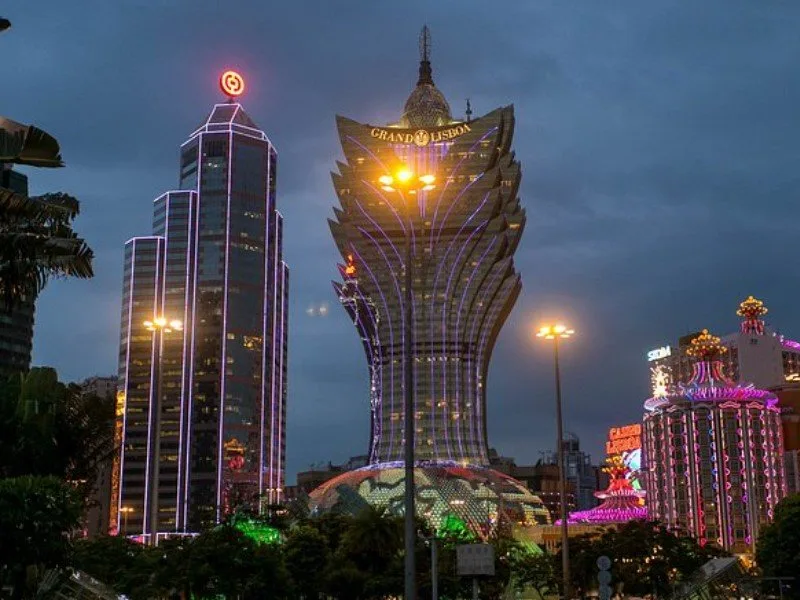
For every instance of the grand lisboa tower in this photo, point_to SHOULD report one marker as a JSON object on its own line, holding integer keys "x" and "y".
{"x": 450, "y": 185}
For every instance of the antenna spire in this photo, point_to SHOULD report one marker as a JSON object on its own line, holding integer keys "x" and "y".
{"x": 425, "y": 72}
{"x": 469, "y": 111}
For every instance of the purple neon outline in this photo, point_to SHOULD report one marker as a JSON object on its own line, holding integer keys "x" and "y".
{"x": 223, "y": 364}
{"x": 264, "y": 307}
{"x": 127, "y": 384}
{"x": 402, "y": 310}
{"x": 459, "y": 366}
{"x": 491, "y": 318}
{"x": 194, "y": 243}
{"x": 493, "y": 288}
{"x": 273, "y": 367}
{"x": 185, "y": 396}
{"x": 279, "y": 340}
{"x": 453, "y": 172}
{"x": 163, "y": 294}
{"x": 391, "y": 346}
{"x": 478, "y": 230}
{"x": 376, "y": 400}
{"x": 151, "y": 393}
{"x": 181, "y": 409}
{"x": 432, "y": 328}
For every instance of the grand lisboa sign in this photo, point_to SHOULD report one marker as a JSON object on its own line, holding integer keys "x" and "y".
{"x": 420, "y": 137}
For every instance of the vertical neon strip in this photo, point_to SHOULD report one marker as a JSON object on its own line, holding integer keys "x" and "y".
{"x": 688, "y": 475}
{"x": 188, "y": 327}
{"x": 726, "y": 471}
{"x": 401, "y": 304}
{"x": 742, "y": 433}
{"x": 668, "y": 445}
{"x": 478, "y": 392}
{"x": 444, "y": 307}
{"x": 152, "y": 393}
{"x": 127, "y": 384}
{"x": 363, "y": 263}
{"x": 273, "y": 365}
{"x": 715, "y": 474}
{"x": 264, "y": 310}
{"x": 282, "y": 344}
{"x": 224, "y": 365}
{"x": 194, "y": 244}
{"x": 456, "y": 263}
{"x": 161, "y": 352}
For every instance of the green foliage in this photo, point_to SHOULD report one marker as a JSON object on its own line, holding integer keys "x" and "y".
{"x": 49, "y": 428}
{"x": 536, "y": 570}
{"x": 307, "y": 559}
{"x": 647, "y": 558}
{"x": 37, "y": 242}
{"x": 36, "y": 516}
{"x": 778, "y": 546}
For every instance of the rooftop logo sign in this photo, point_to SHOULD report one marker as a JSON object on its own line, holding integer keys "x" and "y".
{"x": 658, "y": 353}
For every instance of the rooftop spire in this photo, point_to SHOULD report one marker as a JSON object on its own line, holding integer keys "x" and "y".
{"x": 425, "y": 72}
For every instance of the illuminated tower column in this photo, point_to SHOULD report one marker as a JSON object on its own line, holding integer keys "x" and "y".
{"x": 464, "y": 231}
{"x": 215, "y": 263}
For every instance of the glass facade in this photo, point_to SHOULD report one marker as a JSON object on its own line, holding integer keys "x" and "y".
{"x": 463, "y": 231}
{"x": 214, "y": 263}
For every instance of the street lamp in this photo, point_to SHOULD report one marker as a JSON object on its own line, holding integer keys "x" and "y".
{"x": 403, "y": 179}
{"x": 158, "y": 326}
{"x": 555, "y": 333}
{"x": 125, "y": 510}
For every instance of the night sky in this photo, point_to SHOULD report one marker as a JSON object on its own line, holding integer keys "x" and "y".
{"x": 659, "y": 142}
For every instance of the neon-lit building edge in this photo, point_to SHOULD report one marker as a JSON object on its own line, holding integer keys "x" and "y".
{"x": 713, "y": 450}
{"x": 215, "y": 263}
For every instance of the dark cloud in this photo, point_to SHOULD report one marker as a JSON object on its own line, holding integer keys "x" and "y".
{"x": 659, "y": 143}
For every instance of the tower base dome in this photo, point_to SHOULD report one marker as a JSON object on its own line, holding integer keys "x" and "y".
{"x": 446, "y": 494}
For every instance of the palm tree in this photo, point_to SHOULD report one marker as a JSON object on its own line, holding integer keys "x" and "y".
{"x": 36, "y": 236}
{"x": 37, "y": 242}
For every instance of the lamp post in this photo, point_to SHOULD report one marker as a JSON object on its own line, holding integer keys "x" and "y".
{"x": 404, "y": 179}
{"x": 158, "y": 326}
{"x": 555, "y": 333}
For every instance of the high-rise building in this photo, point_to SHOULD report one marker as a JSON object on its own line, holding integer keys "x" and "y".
{"x": 441, "y": 190}
{"x": 16, "y": 324}
{"x": 713, "y": 453}
{"x": 202, "y": 366}
{"x": 582, "y": 475}
{"x": 465, "y": 221}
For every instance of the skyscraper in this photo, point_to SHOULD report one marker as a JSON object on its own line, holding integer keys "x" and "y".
{"x": 16, "y": 324}
{"x": 202, "y": 368}
{"x": 465, "y": 221}
{"x": 436, "y": 195}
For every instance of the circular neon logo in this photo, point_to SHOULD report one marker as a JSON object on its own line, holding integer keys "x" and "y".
{"x": 231, "y": 84}
{"x": 421, "y": 137}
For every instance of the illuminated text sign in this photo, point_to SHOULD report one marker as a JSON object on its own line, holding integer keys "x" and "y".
{"x": 624, "y": 439}
{"x": 657, "y": 353}
{"x": 420, "y": 137}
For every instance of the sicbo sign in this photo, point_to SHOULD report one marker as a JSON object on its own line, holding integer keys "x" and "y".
{"x": 475, "y": 559}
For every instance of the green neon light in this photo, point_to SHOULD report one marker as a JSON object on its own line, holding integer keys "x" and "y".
{"x": 261, "y": 533}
